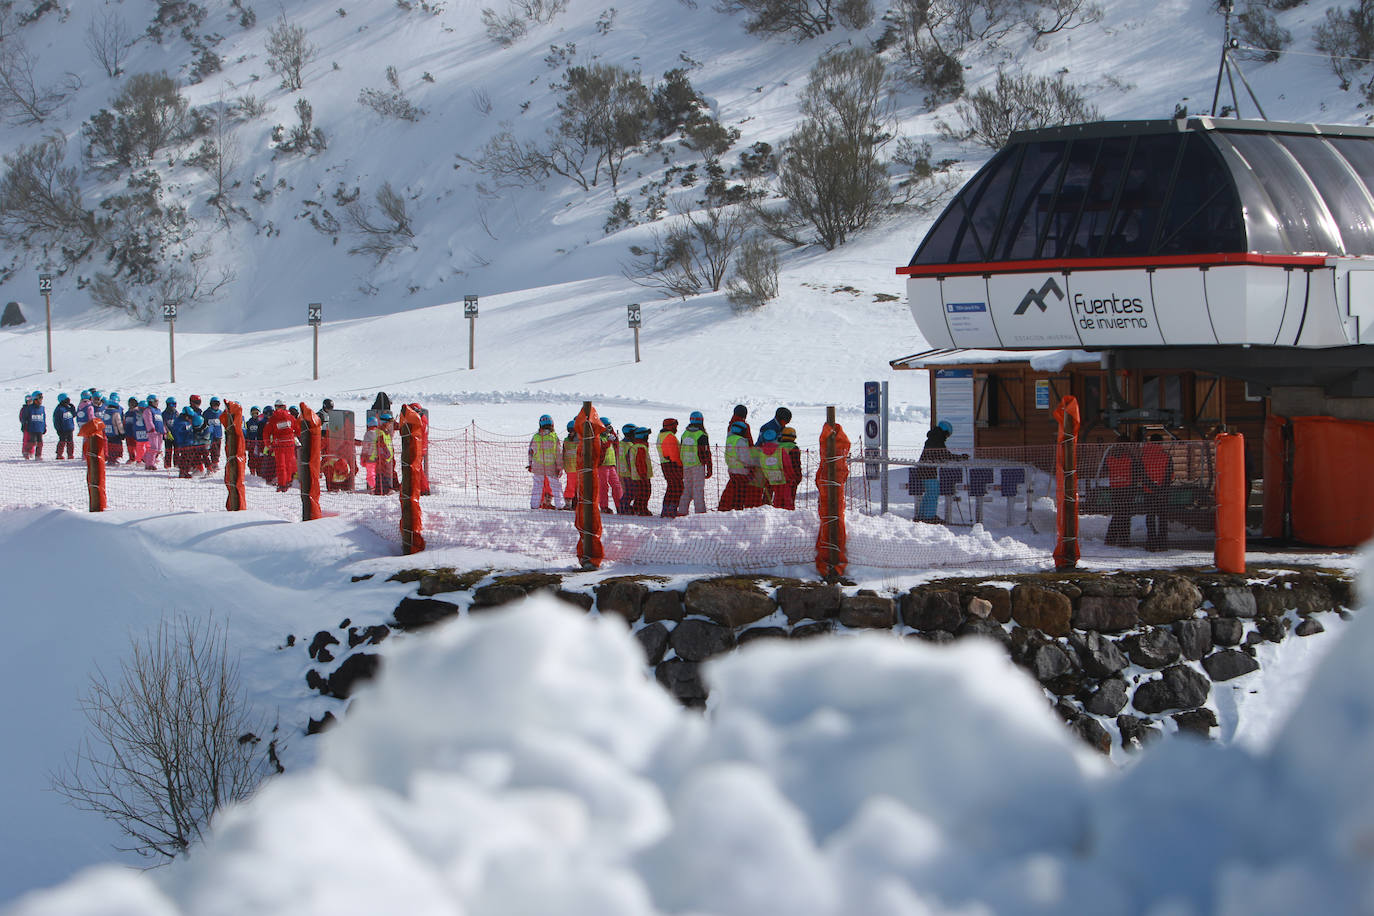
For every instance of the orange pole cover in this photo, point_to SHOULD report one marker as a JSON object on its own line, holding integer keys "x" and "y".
{"x": 1230, "y": 498}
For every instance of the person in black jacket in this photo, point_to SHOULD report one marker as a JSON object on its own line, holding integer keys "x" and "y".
{"x": 64, "y": 424}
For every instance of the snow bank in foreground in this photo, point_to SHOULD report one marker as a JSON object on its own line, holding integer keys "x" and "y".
{"x": 519, "y": 762}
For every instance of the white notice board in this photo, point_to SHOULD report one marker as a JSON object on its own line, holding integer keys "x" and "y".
{"x": 954, "y": 402}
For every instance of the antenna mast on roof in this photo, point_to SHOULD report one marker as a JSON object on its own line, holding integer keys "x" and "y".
{"x": 1230, "y": 43}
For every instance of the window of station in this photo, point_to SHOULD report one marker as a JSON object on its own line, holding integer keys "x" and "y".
{"x": 997, "y": 399}
{"x": 1092, "y": 398}
{"x": 1163, "y": 392}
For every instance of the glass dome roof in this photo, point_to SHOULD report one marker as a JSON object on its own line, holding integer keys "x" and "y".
{"x": 1140, "y": 189}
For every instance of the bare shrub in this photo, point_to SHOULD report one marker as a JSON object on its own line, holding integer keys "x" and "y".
{"x": 1257, "y": 27}
{"x": 754, "y": 282}
{"x": 512, "y": 162}
{"x": 40, "y": 201}
{"x": 23, "y": 100}
{"x": 604, "y": 115}
{"x": 692, "y": 255}
{"x": 109, "y": 38}
{"x": 800, "y": 19}
{"x": 148, "y": 114}
{"x": 219, "y": 156}
{"x": 1049, "y": 16}
{"x": 382, "y": 230}
{"x": 1347, "y": 38}
{"x": 1019, "y": 102}
{"x": 831, "y": 176}
{"x": 391, "y": 102}
{"x": 504, "y": 28}
{"x": 172, "y": 740}
{"x": 925, "y": 183}
{"x": 301, "y": 137}
{"x": 289, "y": 52}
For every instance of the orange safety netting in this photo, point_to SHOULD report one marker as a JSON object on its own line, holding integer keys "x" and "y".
{"x": 587, "y": 515}
{"x": 830, "y": 478}
{"x": 413, "y": 480}
{"x": 310, "y": 464}
{"x": 93, "y": 450}
{"x": 1231, "y": 499}
{"x": 1066, "y": 551}
{"x": 235, "y": 456}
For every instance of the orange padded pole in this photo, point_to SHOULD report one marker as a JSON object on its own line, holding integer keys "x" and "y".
{"x": 1231, "y": 498}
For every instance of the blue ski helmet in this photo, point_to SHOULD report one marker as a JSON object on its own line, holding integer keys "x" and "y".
{"x": 171, "y": 402}
{"x": 143, "y": 403}
{"x": 197, "y": 421}
{"x": 62, "y": 397}
{"x": 36, "y": 394}
{"x": 696, "y": 417}
{"x": 769, "y": 435}
{"x": 572, "y": 426}
{"x": 545, "y": 420}
{"x": 113, "y": 398}
{"x": 945, "y": 425}
{"x": 627, "y": 430}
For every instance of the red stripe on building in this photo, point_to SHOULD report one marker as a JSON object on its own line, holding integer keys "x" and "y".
{"x": 1228, "y": 259}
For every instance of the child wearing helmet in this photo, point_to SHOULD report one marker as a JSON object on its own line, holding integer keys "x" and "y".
{"x": 33, "y": 419}
{"x": 608, "y": 483}
{"x": 386, "y": 455}
{"x": 135, "y": 433}
{"x": 742, "y": 490}
{"x": 936, "y": 451}
{"x": 64, "y": 424}
{"x": 570, "y": 465}
{"x": 113, "y": 416}
{"x": 152, "y": 423}
{"x": 670, "y": 463}
{"x": 545, "y": 464}
{"x": 695, "y": 448}
{"x": 280, "y": 434}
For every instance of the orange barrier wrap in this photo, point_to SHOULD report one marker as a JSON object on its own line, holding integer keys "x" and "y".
{"x": 235, "y": 456}
{"x": 422, "y": 443}
{"x": 1331, "y": 506}
{"x": 413, "y": 436}
{"x": 1066, "y": 550}
{"x": 587, "y": 514}
{"x": 831, "y": 474}
{"x": 1275, "y": 477}
{"x": 310, "y": 464}
{"x": 93, "y": 450}
{"x": 1231, "y": 499}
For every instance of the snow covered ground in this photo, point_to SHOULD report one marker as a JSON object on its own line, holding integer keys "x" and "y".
{"x": 859, "y": 775}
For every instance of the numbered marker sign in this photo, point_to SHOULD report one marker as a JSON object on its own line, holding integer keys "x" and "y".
{"x": 469, "y": 306}
{"x": 169, "y": 312}
{"x": 634, "y": 314}
{"x": 45, "y": 283}
{"x": 314, "y": 313}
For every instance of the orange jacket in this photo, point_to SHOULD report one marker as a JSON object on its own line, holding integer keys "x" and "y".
{"x": 282, "y": 429}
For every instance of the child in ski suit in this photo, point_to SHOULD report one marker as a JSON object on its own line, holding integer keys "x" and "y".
{"x": 35, "y": 423}
{"x": 386, "y": 456}
{"x": 113, "y": 417}
{"x": 64, "y": 424}
{"x": 545, "y": 464}
{"x": 696, "y": 464}
{"x": 607, "y": 479}
{"x": 281, "y": 431}
{"x": 369, "y": 453}
{"x": 570, "y": 451}
{"x": 670, "y": 463}
{"x": 152, "y": 423}
{"x": 213, "y": 419}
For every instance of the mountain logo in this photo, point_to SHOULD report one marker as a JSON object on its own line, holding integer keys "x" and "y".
{"x": 1039, "y": 297}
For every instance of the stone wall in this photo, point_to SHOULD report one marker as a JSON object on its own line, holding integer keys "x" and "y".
{"x": 1116, "y": 654}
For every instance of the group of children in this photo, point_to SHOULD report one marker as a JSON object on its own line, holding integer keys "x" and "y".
{"x": 762, "y": 472}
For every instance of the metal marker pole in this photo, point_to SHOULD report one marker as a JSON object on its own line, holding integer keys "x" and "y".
{"x": 472, "y": 345}
{"x": 317, "y": 351}
{"x": 172, "y": 346}
{"x": 884, "y": 484}
{"x": 45, "y": 287}
{"x": 636, "y": 346}
{"x": 47, "y": 307}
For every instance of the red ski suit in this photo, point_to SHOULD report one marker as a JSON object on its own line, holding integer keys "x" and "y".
{"x": 281, "y": 430}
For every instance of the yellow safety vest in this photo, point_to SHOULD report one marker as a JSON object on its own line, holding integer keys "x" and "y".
{"x": 570, "y": 452}
{"x": 633, "y": 461}
{"x": 690, "y": 457}
{"x": 773, "y": 468}
{"x": 544, "y": 450}
{"x": 609, "y": 459}
{"x": 733, "y": 463}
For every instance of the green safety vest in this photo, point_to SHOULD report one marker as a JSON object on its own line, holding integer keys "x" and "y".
{"x": 570, "y": 453}
{"x": 632, "y": 461}
{"x": 664, "y": 434}
{"x": 609, "y": 459}
{"x": 544, "y": 450}
{"x": 690, "y": 458}
{"x": 774, "y": 470}
{"x": 733, "y": 464}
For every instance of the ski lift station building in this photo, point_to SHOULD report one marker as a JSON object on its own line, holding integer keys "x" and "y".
{"x": 1191, "y": 275}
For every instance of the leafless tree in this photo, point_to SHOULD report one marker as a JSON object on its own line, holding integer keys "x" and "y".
{"x": 511, "y": 162}
{"x": 392, "y": 101}
{"x": 288, "y": 53}
{"x": 23, "y": 100}
{"x": 801, "y": 19}
{"x": 1019, "y": 101}
{"x": 693, "y": 255}
{"x": 754, "y": 282}
{"x": 1049, "y": 16}
{"x": 108, "y": 38}
{"x": 172, "y": 740}
{"x": 383, "y": 230}
{"x": 40, "y": 200}
{"x": 219, "y": 155}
